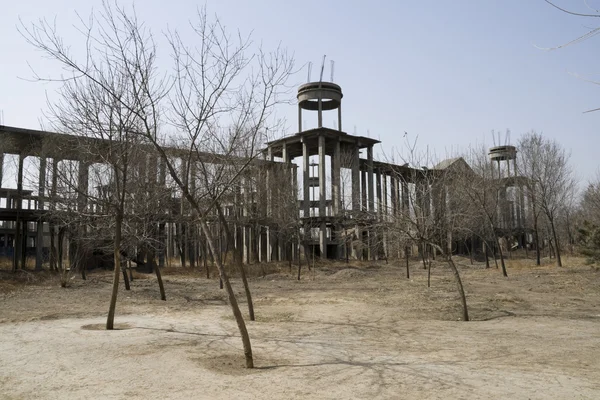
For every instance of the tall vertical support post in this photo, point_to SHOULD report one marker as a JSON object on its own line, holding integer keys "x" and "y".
{"x": 355, "y": 179}
{"x": 363, "y": 190}
{"x": 19, "y": 246}
{"x": 191, "y": 236}
{"x": 370, "y": 233}
{"x": 39, "y": 241}
{"x": 306, "y": 190}
{"x": 269, "y": 187}
{"x": 295, "y": 197}
{"x": 385, "y": 217}
{"x": 376, "y": 235}
{"x": 182, "y": 211}
{"x": 306, "y": 179}
{"x": 378, "y": 194}
{"x": 162, "y": 226}
{"x": 322, "y": 198}
{"x": 299, "y": 118}
{"x": 52, "y": 207}
{"x": 1, "y": 167}
{"x": 405, "y": 198}
{"x": 336, "y": 163}
{"x": 283, "y": 242}
{"x": 371, "y": 200}
{"x": 320, "y": 111}
{"x": 384, "y": 198}
{"x": 245, "y": 214}
{"x": 394, "y": 195}
{"x": 340, "y": 117}
{"x": 83, "y": 175}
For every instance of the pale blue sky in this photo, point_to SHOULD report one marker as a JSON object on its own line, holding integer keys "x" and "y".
{"x": 449, "y": 71}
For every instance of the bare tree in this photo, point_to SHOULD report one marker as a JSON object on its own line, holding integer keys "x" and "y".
{"x": 219, "y": 107}
{"x": 481, "y": 191}
{"x": 425, "y": 215}
{"x": 546, "y": 166}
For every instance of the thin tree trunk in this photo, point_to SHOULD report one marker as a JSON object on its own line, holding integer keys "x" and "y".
{"x": 53, "y": 265}
{"x": 300, "y": 262}
{"x": 502, "y": 259}
{"x": 538, "y": 255}
{"x": 232, "y": 300}
{"x": 556, "y": 247}
{"x": 461, "y": 290}
{"x": 423, "y": 256}
{"x": 130, "y": 270}
{"x": 125, "y": 277}
{"x": 156, "y": 268}
{"x": 407, "y": 266}
{"x": 428, "y": 272}
{"x": 495, "y": 256}
{"x": 237, "y": 257}
{"x": 487, "y": 256}
{"x": 470, "y": 250}
{"x": 80, "y": 261}
{"x": 110, "y": 321}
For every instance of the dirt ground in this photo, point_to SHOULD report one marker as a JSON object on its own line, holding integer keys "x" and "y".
{"x": 341, "y": 332}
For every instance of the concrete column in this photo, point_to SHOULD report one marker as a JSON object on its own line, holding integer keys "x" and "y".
{"x": 385, "y": 214}
{"x": 269, "y": 188}
{"x": 19, "y": 246}
{"x": 299, "y": 119}
{"x": 245, "y": 246}
{"x": 405, "y": 198}
{"x": 378, "y": 194}
{"x": 384, "y": 199}
{"x": 305, "y": 179}
{"x": 82, "y": 184}
{"x": 322, "y": 198}
{"x": 336, "y": 162}
{"x": 245, "y": 215}
{"x": 39, "y": 241}
{"x": 356, "y": 179}
{"x": 522, "y": 212}
{"x": 363, "y": 190}
{"x": 182, "y": 212}
{"x": 370, "y": 178}
{"x": 320, "y": 110}
{"x": 322, "y": 178}
{"x": 340, "y": 117}
{"x": 1, "y": 168}
{"x": 394, "y": 195}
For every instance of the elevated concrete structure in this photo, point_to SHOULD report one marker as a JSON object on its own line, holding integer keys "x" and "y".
{"x": 336, "y": 207}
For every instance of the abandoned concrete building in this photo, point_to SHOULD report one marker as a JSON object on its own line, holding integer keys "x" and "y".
{"x": 315, "y": 192}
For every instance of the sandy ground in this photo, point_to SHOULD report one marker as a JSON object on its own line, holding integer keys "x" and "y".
{"x": 362, "y": 332}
